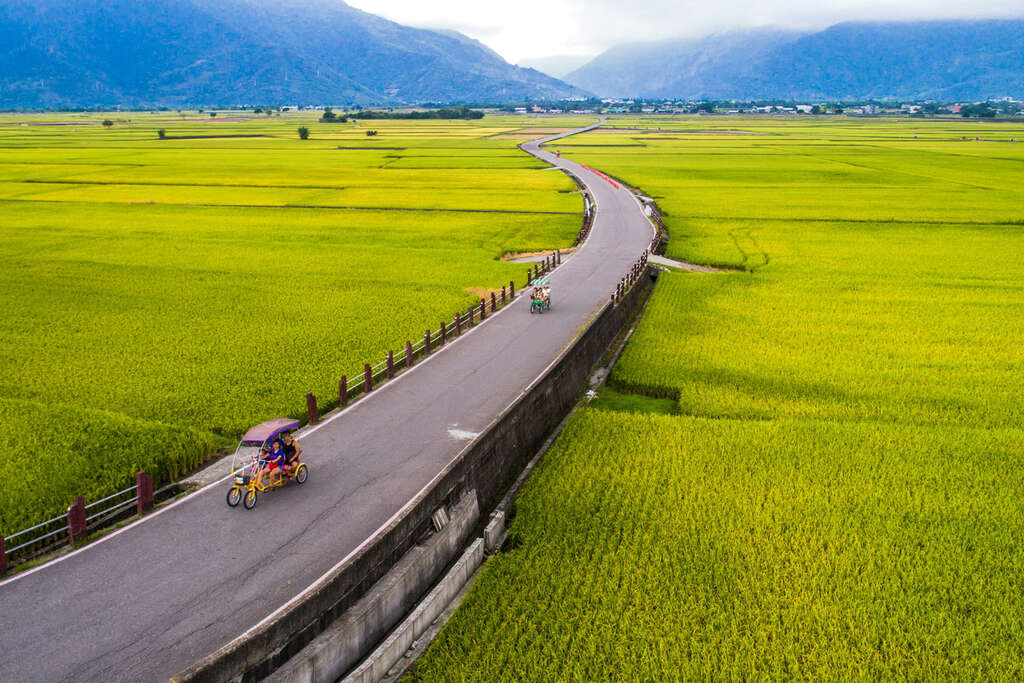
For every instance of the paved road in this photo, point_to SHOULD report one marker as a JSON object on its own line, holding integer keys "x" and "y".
{"x": 146, "y": 602}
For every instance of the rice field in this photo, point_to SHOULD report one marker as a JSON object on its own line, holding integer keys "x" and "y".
{"x": 162, "y": 295}
{"x": 836, "y": 491}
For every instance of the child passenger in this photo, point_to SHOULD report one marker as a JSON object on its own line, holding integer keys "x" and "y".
{"x": 274, "y": 461}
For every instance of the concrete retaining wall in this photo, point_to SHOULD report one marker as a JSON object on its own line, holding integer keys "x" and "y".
{"x": 347, "y": 640}
{"x": 488, "y": 465}
{"x": 398, "y": 643}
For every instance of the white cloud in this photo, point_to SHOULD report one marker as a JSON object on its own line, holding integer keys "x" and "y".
{"x": 536, "y": 28}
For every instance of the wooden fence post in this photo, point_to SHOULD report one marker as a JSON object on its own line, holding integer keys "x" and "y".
{"x": 558, "y": 254}
{"x": 367, "y": 378}
{"x": 469, "y": 317}
{"x": 494, "y": 302}
{"x": 458, "y": 324}
{"x": 408, "y": 354}
{"x": 483, "y": 312}
{"x": 512, "y": 289}
{"x": 529, "y": 277}
{"x": 144, "y": 484}
{"x": 76, "y": 520}
{"x": 444, "y": 333}
{"x": 3, "y": 556}
{"x": 311, "y": 408}
{"x": 391, "y": 363}
{"x": 343, "y": 390}
{"x": 426, "y": 343}
{"x": 503, "y": 295}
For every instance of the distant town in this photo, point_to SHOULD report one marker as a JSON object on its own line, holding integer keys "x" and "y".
{"x": 1002, "y": 108}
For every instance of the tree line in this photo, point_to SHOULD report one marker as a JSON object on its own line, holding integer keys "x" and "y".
{"x": 330, "y": 116}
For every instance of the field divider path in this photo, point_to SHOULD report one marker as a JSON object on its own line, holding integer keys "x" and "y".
{"x": 152, "y": 598}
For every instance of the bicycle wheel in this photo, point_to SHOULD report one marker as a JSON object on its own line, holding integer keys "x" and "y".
{"x": 234, "y": 496}
{"x": 301, "y": 474}
{"x": 250, "y": 499}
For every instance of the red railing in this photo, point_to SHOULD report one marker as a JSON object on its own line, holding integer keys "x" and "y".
{"x": 77, "y": 521}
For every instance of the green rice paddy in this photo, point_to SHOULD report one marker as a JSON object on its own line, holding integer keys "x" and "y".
{"x": 838, "y": 492}
{"x": 162, "y": 295}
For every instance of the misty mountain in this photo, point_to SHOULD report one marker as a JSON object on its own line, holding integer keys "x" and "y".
{"x": 944, "y": 60}
{"x": 83, "y": 53}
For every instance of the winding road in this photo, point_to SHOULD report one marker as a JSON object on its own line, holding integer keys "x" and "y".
{"x": 148, "y": 600}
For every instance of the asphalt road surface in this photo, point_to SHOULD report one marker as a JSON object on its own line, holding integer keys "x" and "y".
{"x": 149, "y": 600}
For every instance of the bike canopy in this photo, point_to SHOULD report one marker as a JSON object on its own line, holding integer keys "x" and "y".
{"x": 265, "y": 431}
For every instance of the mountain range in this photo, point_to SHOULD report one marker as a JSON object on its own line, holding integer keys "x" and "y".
{"x": 178, "y": 53}
{"x": 942, "y": 60}
{"x": 187, "y": 53}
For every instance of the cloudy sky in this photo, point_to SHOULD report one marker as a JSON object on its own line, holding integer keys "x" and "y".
{"x": 528, "y": 29}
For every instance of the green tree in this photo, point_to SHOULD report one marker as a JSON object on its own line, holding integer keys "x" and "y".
{"x": 983, "y": 111}
{"x": 329, "y": 115}
{"x": 816, "y": 109}
{"x": 162, "y": 133}
{"x": 108, "y": 123}
{"x": 370, "y": 133}
{"x": 303, "y": 133}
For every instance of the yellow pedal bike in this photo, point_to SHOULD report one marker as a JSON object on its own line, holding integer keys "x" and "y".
{"x": 249, "y": 467}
